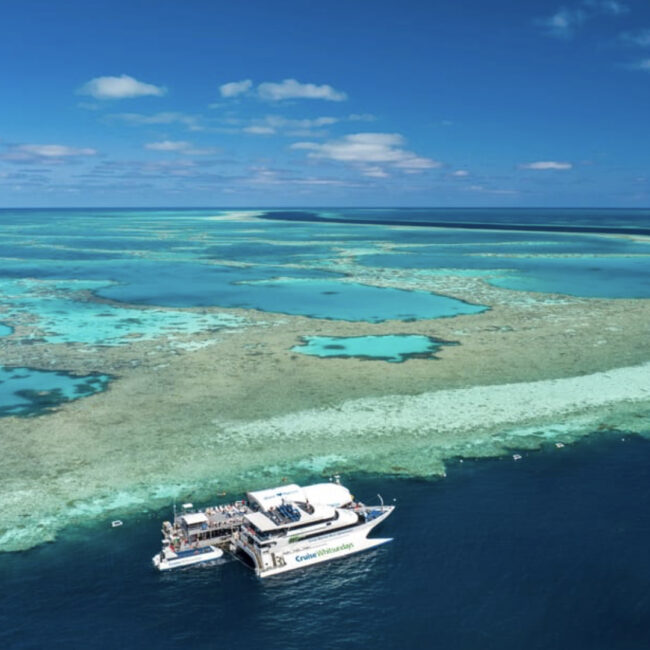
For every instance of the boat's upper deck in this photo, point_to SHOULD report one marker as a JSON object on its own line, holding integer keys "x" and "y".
{"x": 211, "y": 522}
{"x": 267, "y": 512}
{"x": 288, "y": 516}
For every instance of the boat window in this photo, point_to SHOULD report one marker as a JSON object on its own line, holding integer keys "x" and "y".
{"x": 329, "y": 531}
{"x": 314, "y": 522}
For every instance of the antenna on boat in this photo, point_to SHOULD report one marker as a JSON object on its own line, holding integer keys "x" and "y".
{"x": 174, "y": 502}
{"x": 381, "y": 501}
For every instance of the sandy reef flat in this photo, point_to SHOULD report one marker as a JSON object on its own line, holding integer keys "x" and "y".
{"x": 235, "y": 408}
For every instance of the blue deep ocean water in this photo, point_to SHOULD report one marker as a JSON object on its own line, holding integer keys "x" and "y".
{"x": 548, "y": 552}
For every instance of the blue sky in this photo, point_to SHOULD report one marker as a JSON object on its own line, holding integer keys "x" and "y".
{"x": 345, "y": 102}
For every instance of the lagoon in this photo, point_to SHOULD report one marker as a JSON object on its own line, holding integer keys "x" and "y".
{"x": 393, "y": 348}
{"x": 27, "y": 391}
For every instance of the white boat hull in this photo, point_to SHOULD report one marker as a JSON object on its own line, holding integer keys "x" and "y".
{"x": 169, "y": 560}
{"x": 317, "y": 556}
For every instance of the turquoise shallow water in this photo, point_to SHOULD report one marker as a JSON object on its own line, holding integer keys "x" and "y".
{"x": 181, "y": 259}
{"x": 64, "y": 316}
{"x": 351, "y": 302}
{"x": 590, "y": 274}
{"x": 394, "y": 348}
{"x": 186, "y": 258}
{"x": 27, "y": 391}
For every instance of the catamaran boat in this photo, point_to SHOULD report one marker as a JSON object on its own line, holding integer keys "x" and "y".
{"x": 274, "y": 530}
{"x": 293, "y": 527}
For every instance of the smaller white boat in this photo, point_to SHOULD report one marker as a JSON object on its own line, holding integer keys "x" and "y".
{"x": 169, "y": 558}
{"x": 116, "y": 524}
{"x": 516, "y": 456}
{"x": 559, "y": 445}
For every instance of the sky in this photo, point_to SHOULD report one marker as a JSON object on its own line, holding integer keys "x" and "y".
{"x": 273, "y": 103}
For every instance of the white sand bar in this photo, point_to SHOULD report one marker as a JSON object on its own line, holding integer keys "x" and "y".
{"x": 478, "y": 408}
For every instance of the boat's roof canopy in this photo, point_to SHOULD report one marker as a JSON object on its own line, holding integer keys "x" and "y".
{"x": 194, "y": 518}
{"x": 327, "y": 494}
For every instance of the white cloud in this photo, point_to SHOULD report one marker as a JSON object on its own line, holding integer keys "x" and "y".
{"x": 369, "y": 150}
{"x": 293, "y": 89}
{"x": 640, "y": 38}
{"x": 374, "y": 172}
{"x": 543, "y": 165}
{"x": 168, "y": 145}
{"x": 234, "y": 88}
{"x": 44, "y": 152}
{"x": 563, "y": 23}
{"x": 259, "y": 129}
{"x": 323, "y": 181}
{"x": 460, "y": 173}
{"x": 286, "y": 89}
{"x": 361, "y": 117}
{"x": 122, "y": 87}
{"x": 643, "y": 65}
{"x": 56, "y": 150}
{"x": 179, "y": 146}
{"x": 305, "y": 133}
{"x": 489, "y": 190}
{"x": 566, "y": 20}
{"x": 265, "y": 176}
{"x": 190, "y": 121}
{"x": 280, "y": 122}
{"x": 271, "y": 124}
{"x": 610, "y": 7}
{"x": 205, "y": 151}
